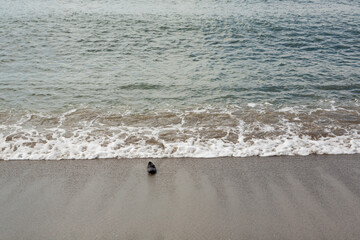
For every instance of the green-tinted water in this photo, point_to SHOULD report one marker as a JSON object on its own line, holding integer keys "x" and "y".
{"x": 123, "y": 58}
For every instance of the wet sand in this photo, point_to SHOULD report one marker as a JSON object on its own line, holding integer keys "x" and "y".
{"x": 312, "y": 197}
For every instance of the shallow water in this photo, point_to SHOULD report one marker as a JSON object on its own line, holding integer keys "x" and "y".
{"x": 96, "y": 79}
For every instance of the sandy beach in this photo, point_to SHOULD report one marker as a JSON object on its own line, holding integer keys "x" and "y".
{"x": 250, "y": 111}
{"x": 312, "y": 197}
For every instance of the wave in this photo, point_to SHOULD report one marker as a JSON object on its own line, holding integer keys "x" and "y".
{"x": 251, "y": 130}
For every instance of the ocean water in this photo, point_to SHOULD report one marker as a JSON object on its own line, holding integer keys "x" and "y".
{"x": 196, "y": 78}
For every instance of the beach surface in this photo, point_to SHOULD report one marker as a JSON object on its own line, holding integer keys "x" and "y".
{"x": 312, "y": 197}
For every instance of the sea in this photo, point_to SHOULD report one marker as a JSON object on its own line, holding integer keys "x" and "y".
{"x": 94, "y": 79}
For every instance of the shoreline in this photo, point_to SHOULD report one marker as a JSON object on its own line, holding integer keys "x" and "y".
{"x": 183, "y": 158}
{"x": 281, "y": 197}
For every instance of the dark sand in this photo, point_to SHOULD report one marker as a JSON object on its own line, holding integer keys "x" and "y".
{"x": 313, "y": 197}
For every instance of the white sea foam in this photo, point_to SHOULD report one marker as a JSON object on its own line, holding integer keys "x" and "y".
{"x": 206, "y": 132}
{"x": 112, "y": 147}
